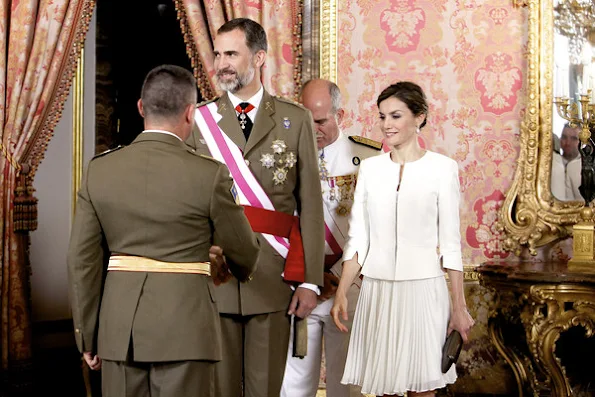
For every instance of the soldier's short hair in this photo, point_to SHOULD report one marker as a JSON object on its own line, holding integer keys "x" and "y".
{"x": 256, "y": 37}
{"x": 167, "y": 91}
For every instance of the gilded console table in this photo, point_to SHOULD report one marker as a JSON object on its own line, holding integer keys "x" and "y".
{"x": 535, "y": 303}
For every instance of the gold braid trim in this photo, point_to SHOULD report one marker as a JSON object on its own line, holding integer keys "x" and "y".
{"x": 298, "y": 8}
{"x": 53, "y": 111}
{"x": 9, "y": 157}
{"x": 202, "y": 77}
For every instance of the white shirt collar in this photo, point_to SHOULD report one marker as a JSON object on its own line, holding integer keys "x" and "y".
{"x": 254, "y": 100}
{"x": 164, "y": 132}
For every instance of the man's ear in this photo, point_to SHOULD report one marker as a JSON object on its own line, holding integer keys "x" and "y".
{"x": 139, "y": 105}
{"x": 340, "y": 114}
{"x": 189, "y": 113}
{"x": 259, "y": 58}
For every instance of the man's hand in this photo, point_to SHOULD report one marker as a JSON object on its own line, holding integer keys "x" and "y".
{"x": 331, "y": 282}
{"x": 93, "y": 361}
{"x": 219, "y": 269}
{"x": 302, "y": 302}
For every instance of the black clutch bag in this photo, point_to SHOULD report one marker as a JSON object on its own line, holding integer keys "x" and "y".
{"x": 451, "y": 350}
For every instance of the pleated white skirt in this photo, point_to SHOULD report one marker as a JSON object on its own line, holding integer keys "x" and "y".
{"x": 398, "y": 332}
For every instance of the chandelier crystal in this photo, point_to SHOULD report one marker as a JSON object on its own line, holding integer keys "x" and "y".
{"x": 575, "y": 19}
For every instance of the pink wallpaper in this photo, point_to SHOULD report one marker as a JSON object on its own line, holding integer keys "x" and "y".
{"x": 468, "y": 57}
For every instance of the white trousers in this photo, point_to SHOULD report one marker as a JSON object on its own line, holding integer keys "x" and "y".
{"x": 302, "y": 376}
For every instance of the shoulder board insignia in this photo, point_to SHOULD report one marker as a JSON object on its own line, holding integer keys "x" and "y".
{"x": 290, "y": 101}
{"x": 204, "y": 156}
{"x": 366, "y": 142}
{"x": 207, "y": 102}
{"x": 108, "y": 151}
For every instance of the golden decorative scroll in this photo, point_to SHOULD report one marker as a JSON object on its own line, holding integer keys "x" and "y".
{"x": 328, "y": 40}
{"x": 530, "y": 215}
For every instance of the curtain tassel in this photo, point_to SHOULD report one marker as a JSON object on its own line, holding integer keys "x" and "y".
{"x": 25, "y": 204}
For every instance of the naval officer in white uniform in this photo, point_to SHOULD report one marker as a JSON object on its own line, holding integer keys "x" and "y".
{"x": 339, "y": 157}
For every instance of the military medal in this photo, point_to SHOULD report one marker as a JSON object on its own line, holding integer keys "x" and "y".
{"x": 343, "y": 209}
{"x": 243, "y": 120}
{"x": 279, "y": 176}
{"x": 289, "y": 160}
{"x": 342, "y": 190}
{"x": 267, "y": 160}
{"x": 279, "y": 146}
{"x": 286, "y": 123}
{"x": 322, "y": 167}
{"x": 282, "y": 158}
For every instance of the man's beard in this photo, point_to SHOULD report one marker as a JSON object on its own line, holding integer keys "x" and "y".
{"x": 238, "y": 82}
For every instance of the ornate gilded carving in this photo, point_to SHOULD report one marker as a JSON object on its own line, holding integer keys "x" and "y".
{"x": 530, "y": 215}
{"x": 328, "y": 40}
{"x": 544, "y": 311}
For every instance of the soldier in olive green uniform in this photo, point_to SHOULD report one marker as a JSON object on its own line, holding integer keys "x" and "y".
{"x": 157, "y": 209}
{"x": 254, "y": 317}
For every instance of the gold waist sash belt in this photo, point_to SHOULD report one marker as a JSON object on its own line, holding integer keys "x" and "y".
{"x": 125, "y": 263}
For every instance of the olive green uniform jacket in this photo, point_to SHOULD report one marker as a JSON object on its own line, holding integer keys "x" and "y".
{"x": 277, "y": 119}
{"x": 156, "y": 199}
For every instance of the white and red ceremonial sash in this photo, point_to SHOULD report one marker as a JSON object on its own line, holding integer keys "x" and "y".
{"x": 250, "y": 192}
{"x": 334, "y": 238}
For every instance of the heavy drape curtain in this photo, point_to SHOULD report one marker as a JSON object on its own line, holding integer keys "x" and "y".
{"x": 40, "y": 41}
{"x": 281, "y": 20}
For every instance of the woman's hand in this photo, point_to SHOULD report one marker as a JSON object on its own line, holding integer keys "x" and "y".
{"x": 461, "y": 320}
{"x": 339, "y": 311}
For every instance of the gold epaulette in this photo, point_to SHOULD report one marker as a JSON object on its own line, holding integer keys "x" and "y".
{"x": 108, "y": 151}
{"x": 366, "y": 142}
{"x": 207, "y": 102}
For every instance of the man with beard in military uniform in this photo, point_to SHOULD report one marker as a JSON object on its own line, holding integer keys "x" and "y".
{"x": 268, "y": 144}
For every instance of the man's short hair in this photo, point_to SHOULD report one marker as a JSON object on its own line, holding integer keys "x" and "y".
{"x": 256, "y": 37}
{"x": 334, "y": 92}
{"x": 167, "y": 91}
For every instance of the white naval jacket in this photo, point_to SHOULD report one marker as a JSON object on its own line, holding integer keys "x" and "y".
{"x": 342, "y": 159}
{"x": 406, "y": 241}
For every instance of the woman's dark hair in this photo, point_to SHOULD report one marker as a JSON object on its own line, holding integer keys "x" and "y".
{"x": 410, "y": 94}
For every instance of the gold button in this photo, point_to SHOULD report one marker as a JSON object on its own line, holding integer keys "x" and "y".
{"x": 247, "y": 162}
{"x": 78, "y": 331}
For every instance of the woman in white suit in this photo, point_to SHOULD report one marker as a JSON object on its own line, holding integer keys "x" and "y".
{"x": 404, "y": 234}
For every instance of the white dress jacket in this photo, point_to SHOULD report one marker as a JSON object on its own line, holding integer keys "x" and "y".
{"x": 415, "y": 235}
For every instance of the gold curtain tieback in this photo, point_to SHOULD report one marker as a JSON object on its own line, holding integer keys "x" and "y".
{"x": 142, "y": 264}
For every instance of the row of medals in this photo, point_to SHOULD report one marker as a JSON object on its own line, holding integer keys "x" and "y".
{"x": 341, "y": 190}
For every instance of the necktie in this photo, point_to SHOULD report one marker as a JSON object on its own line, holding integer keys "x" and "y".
{"x": 245, "y": 123}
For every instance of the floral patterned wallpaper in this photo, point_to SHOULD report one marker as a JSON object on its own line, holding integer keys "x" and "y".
{"x": 468, "y": 57}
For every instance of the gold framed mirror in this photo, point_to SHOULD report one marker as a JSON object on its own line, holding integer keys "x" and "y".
{"x": 531, "y": 216}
